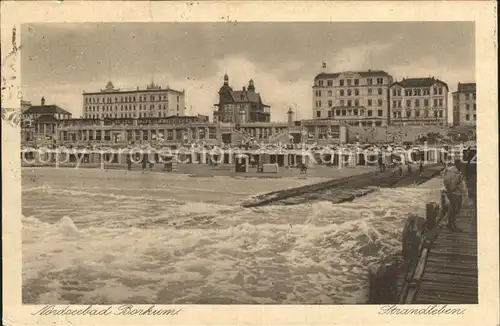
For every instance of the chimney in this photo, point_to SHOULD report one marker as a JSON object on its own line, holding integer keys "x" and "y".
{"x": 43, "y": 101}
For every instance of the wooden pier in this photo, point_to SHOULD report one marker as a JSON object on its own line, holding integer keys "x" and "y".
{"x": 437, "y": 266}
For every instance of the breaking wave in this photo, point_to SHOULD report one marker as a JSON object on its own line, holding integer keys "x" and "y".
{"x": 112, "y": 246}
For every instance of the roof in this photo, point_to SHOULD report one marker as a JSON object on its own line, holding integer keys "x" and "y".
{"x": 46, "y": 119}
{"x": 369, "y": 73}
{"x": 246, "y": 97}
{"x": 419, "y": 82}
{"x": 466, "y": 87}
{"x": 46, "y": 109}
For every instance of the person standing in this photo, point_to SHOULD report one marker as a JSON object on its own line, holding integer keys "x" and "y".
{"x": 455, "y": 190}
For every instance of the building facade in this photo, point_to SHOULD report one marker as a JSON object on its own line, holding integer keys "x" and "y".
{"x": 40, "y": 123}
{"x": 464, "y": 104}
{"x": 355, "y": 98}
{"x": 241, "y": 106}
{"x": 151, "y": 102}
{"x": 419, "y": 101}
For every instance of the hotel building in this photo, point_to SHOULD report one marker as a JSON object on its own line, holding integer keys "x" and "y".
{"x": 240, "y": 106}
{"x": 151, "y": 102}
{"x": 419, "y": 101}
{"x": 355, "y": 98}
{"x": 464, "y": 104}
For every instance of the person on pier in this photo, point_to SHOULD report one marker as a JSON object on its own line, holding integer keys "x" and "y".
{"x": 455, "y": 190}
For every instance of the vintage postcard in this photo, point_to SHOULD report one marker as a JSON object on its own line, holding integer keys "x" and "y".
{"x": 249, "y": 163}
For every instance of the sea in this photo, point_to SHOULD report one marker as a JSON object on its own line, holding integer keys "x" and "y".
{"x": 115, "y": 237}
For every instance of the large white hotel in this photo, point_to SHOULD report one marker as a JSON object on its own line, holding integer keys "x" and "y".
{"x": 372, "y": 98}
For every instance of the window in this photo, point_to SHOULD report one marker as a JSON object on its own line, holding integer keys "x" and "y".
{"x": 341, "y": 102}
{"x": 380, "y": 81}
{"x": 356, "y": 81}
{"x": 318, "y": 114}
{"x": 337, "y": 112}
{"x": 370, "y": 91}
{"x": 369, "y": 81}
{"x": 394, "y": 92}
{"x": 474, "y": 116}
{"x": 435, "y": 102}
{"x": 417, "y": 103}
{"x": 426, "y": 102}
{"x": 356, "y": 92}
{"x": 474, "y": 106}
{"x": 344, "y": 113}
{"x": 341, "y": 82}
{"x": 379, "y": 102}
{"x": 380, "y": 91}
{"x": 440, "y": 91}
{"x": 474, "y": 95}
{"x": 341, "y": 92}
{"x": 407, "y": 92}
{"x": 467, "y": 97}
{"x": 330, "y": 103}
{"x": 417, "y": 113}
{"x": 408, "y": 113}
{"x": 320, "y": 83}
{"x": 467, "y": 117}
{"x": 426, "y": 91}
{"x": 440, "y": 102}
{"x": 329, "y": 93}
{"x": 356, "y": 102}
{"x": 369, "y": 102}
{"x": 349, "y": 102}
{"x": 318, "y": 94}
{"x": 329, "y": 114}
{"x": 435, "y": 91}
{"x": 440, "y": 113}
{"x": 370, "y": 113}
{"x": 349, "y": 82}
{"x": 380, "y": 113}
{"x": 349, "y": 92}
{"x": 329, "y": 83}
{"x": 467, "y": 107}
{"x": 394, "y": 104}
{"x": 355, "y": 112}
{"x": 408, "y": 103}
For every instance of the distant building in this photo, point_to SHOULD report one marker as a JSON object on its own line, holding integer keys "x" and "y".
{"x": 356, "y": 98}
{"x": 419, "y": 101}
{"x": 39, "y": 123}
{"x": 240, "y": 106}
{"x": 25, "y": 105}
{"x": 151, "y": 102}
{"x": 464, "y": 104}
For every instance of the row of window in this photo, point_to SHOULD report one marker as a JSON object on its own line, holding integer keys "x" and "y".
{"x": 467, "y": 117}
{"x": 417, "y": 102}
{"x": 127, "y": 99}
{"x": 350, "y": 82}
{"x": 349, "y": 92}
{"x": 468, "y": 96}
{"x": 417, "y": 114}
{"x": 417, "y": 91}
{"x": 356, "y": 102}
{"x": 107, "y": 108}
{"x": 136, "y": 135}
{"x": 129, "y": 115}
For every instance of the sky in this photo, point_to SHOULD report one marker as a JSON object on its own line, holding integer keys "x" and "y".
{"x": 61, "y": 60}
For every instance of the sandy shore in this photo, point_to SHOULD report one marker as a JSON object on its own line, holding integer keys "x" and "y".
{"x": 204, "y": 170}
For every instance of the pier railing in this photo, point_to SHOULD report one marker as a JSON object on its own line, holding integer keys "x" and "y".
{"x": 397, "y": 279}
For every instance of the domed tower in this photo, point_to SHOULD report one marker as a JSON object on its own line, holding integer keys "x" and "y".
{"x": 251, "y": 86}
{"x": 225, "y": 90}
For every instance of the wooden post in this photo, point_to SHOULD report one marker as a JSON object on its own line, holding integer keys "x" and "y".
{"x": 431, "y": 211}
{"x": 412, "y": 237}
{"x": 383, "y": 282}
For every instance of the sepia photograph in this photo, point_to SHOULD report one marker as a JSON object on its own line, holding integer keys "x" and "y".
{"x": 195, "y": 164}
{"x": 249, "y": 163}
